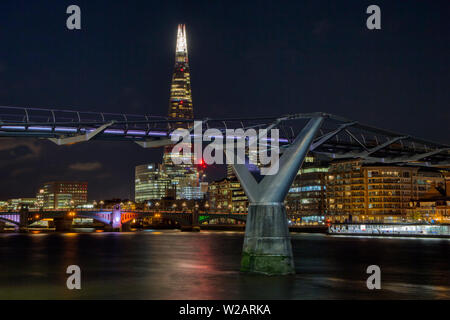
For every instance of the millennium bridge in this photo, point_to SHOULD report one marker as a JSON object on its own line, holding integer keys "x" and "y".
{"x": 267, "y": 247}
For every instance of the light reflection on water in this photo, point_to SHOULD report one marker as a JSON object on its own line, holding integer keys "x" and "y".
{"x": 181, "y": 265}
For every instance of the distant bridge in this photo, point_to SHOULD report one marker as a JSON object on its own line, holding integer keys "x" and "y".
{"x": 115, "y": 218}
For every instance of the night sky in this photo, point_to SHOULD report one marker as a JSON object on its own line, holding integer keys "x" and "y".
{"x": 246, "y": 57}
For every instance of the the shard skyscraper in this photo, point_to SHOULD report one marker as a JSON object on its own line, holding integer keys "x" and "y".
{"x": 184, "y": 177}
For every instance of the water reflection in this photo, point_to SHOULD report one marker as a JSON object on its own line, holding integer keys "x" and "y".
{"x": 177, "y": 265}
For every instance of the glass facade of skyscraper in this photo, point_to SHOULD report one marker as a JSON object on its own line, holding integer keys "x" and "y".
{"x": 150, "y": 182}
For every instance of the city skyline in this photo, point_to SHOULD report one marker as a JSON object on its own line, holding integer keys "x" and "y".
{"x": 316, "y": 164}
{"x": 299, "y": 58}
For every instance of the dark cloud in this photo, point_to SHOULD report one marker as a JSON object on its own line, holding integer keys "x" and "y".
{"x": 86, "y": 166}
{"x": 18, "y": 151}
{"x": 21, "y": 171}
{"x": 321, "y": 27}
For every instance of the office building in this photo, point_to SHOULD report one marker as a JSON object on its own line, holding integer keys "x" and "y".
{"x": 306, "y": 200}
{"x": 63, "y": 194}
{"x": 358, "y": 191}
{"x": 151, "y": 183}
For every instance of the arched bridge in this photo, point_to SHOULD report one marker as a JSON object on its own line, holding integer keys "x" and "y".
{"x": 115, "y": 218}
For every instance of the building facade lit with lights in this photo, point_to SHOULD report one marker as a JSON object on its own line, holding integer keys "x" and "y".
{"x": 306, "y": 200}
{"x": 228, "y": 195}
{"x": 151, "y": 183}
{"x": 219, "y": 195}
{"x": 360, "y": 192}
{"x": 63, "y": 194}
{"x": 16, "y": 204}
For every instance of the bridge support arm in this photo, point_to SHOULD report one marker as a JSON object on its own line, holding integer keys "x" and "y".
{"x": 155, "y": 143}
{"x": 81, "y": 137}
{"x": 267, "y": 245}
{"x": 165, "y": 141}
{"x": 321, "y": 140}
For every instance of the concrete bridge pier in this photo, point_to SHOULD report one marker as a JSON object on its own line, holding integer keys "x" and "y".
{"x": 23, "y": 218}
{"x": 267, "y": 245}
{"x": 63, "y": 224}
{"x": 116, "y": 219}
{"x": 51, "y": 224}
{"x": 193, "y": 223}
{"x": 126, "y": 227}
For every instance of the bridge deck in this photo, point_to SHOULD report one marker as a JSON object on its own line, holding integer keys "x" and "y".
{"x": 338, "y": 137}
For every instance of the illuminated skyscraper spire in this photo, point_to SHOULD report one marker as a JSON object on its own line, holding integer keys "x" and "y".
{"x": 180, "y": 105}
{"x": 184, "y": 177}
{"x": 181, "y": 39}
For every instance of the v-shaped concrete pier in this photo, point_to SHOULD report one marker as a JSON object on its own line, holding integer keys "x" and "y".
{"x": 267, "y": 244}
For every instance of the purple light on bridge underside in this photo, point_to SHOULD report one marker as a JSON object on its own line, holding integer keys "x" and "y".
{"x": 62, "y": 129}
{"x": 40, "y": 128}
{"x": 114, "y": 131}
{"x": 136, "y": 132}
{"x": 11, "y": 217}
{"x": 232, "y": 137}
{"x": 157, "y": 133}
{"x": 117, "y": 131}
{"x": 13, "y": 127}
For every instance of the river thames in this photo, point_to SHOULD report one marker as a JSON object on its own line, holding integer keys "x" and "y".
{"x": 170, "y": 264}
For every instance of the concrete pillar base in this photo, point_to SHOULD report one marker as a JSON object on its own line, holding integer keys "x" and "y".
{"x": 267, "y": 244}
{"x": 23, "y": 224}
{"x": 190, "y": 228}
{"x": 111, "y": 229}
{"x": 126, "y": 227}
{"x": 63, "y": 224}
